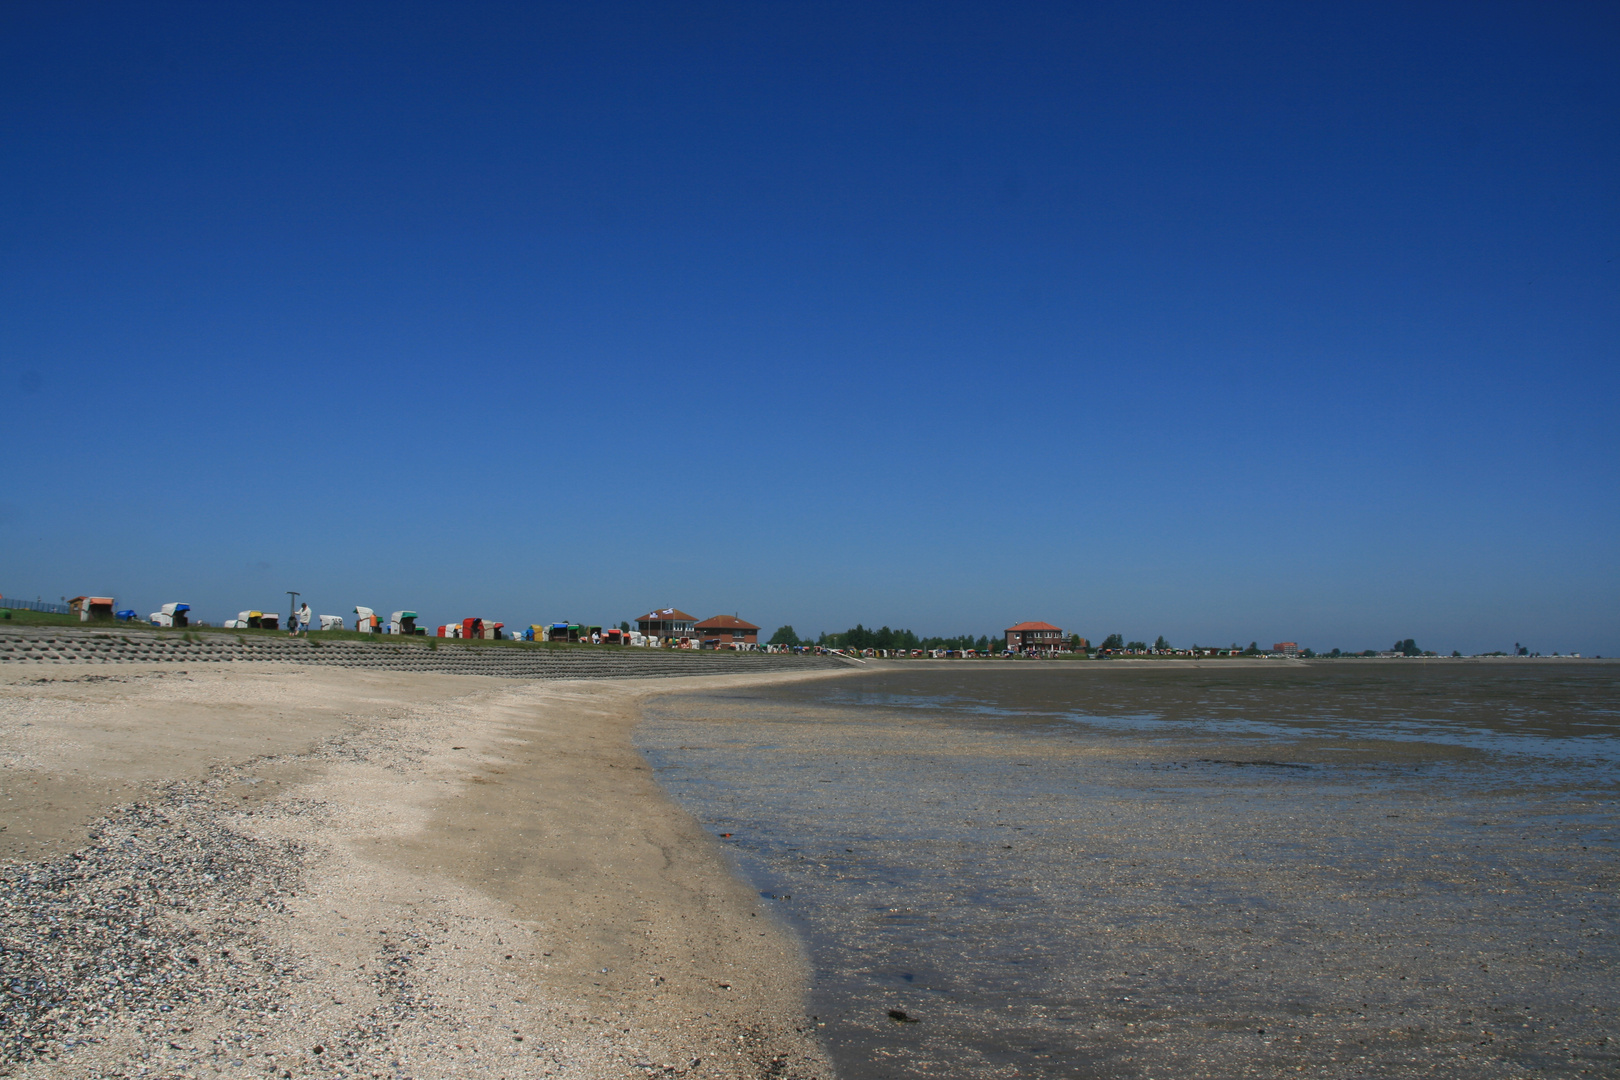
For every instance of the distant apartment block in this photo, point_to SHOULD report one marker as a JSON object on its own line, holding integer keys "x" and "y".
{"x": 1287, "y": 648}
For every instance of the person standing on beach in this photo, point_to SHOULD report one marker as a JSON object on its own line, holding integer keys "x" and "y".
{"x": 303, "y": 620}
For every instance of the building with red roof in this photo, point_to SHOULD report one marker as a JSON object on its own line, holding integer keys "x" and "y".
{"x": 667, "y": 624}
{"x": 1037, "y": 637}
{"x": 727, "y": 631}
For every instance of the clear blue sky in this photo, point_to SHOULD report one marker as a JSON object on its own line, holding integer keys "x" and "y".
{"x": 1222, "y": 322}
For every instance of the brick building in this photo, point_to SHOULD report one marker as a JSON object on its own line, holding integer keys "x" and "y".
{"x": 1040, "y": 636}
{"x": 727, "y": 631}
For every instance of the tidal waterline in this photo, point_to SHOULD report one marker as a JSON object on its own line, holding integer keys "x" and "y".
{"x": 1068, "y": 869}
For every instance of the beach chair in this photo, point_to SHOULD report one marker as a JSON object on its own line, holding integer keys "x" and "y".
{"x": 92, "y": 607}
{"x": 170, "y": 615}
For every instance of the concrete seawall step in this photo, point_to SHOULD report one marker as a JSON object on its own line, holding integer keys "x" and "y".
{"x": 34, "y": 645}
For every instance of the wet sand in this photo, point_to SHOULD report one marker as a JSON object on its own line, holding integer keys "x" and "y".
{"x": 276, "y": 871}
{"x": 1059, "y": 870}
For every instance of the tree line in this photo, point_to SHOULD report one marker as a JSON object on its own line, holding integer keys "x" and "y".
{"x": 861, "y": 637}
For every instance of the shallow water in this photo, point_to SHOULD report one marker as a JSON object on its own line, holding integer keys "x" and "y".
{"x": 1109, "y": 870}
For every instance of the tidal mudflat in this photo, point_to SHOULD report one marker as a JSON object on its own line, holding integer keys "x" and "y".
{"x": 1084, "y": 869}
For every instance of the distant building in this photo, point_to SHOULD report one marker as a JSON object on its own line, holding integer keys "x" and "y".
{"x": 727, "y": 630}
{"x": 1287, "y": 648}
{"x": 1040, "y": 636}
{"x": 668, "y": 624}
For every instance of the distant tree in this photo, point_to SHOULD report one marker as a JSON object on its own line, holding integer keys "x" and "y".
{"x": 1454, "y": 652}
{"x": 784, "y": 636}
{"x": 1112, "y": 641}
{"x": 1408, "y": 648}
{"x": 1136, "y": 645}
{"x": 1253, "y": 649}
{"x": 1335, "y": 652}
{"x": 1308, "y": 654}
{"x": 1076, "y": 642}
{"x": 859, "y": 637}
{"x": 625, "y": 626}
{"x": 1161, "y": 644}
{"x": 983, "y": 644}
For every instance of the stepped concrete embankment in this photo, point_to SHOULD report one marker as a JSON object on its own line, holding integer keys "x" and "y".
{"x": 50, "y": 645}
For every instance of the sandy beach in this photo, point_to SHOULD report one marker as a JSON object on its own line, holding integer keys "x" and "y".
{"x": 277, "y": 870}
{"x": 288, "y": 871}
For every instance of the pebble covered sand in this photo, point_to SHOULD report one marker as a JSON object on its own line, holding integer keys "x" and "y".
{"x": 282, "y": 872}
